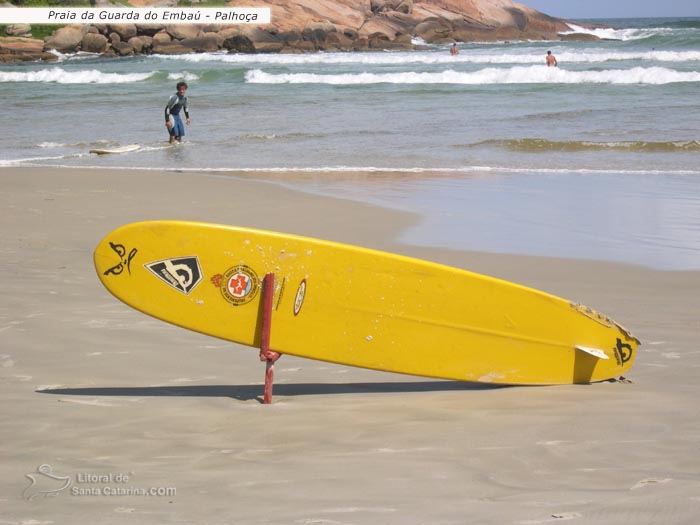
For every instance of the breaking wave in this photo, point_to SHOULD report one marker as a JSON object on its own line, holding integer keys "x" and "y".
{"x": 610, "y": 33}
{"x": 61, "y": 76}
{"x": 514, "y": 75}
{"x": 467, "y": 56}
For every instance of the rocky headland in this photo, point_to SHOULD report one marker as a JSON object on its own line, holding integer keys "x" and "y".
{"x": 298, "y": 27}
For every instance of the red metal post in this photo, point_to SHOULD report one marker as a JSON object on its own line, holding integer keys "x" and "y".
{"x": 267, "y": 355}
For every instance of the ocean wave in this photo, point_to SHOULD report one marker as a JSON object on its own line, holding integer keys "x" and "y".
{"x": 514, "y": 75}
{"x": 585, "y": 56}
{"x": 61, "y": 76}
{"x": 524, "y": 57}
{"x": 538, "y": 145}
{"x": 189, "y": 77}
{"x": 609, "y": 33}
{"x": 674, "y": 34}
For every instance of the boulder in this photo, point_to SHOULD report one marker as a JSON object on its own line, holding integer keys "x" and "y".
{"x": 94, "y": 43}
{"x": 141, "y": 44}
{"x": 303, "y": 46}
{"x": 204, "y": 43}
{"x": 250, "y": 39}
{"x": 338, "y": 41}
{"x": 379, "y": 41}
{"x": 123, "y": 49}
{"x": 317, "y": 36}
{"x": 66, "y": 39}
{"x": 18, "y": 30}
{"x": 182, "y": 31}
{"x": 225, "y": 33}
{"x": 288, "y": 37}
{"x": 433, "y": 30}
{"x": 361, "y": 43}
{"x": 162, "y": 38}
{"x": 22, "y": 49}
{"x": 125, "y": 31}
{"x": 150, "y": 29}
{"x": 257, "y": 34}
{"x": 351, "y": 33}
{"x": 169, "y": 48}
{"x": 239, "y": 44}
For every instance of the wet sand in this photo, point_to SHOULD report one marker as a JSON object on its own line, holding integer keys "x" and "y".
{"x": 154, "y": 424}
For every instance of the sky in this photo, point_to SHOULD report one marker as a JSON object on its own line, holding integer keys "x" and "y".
{"x": 615, "y": 8}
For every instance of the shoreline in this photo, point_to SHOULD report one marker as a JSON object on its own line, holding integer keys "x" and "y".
{"x": 443, "y": 203}
{"x": 287, "y": 180}
{"x": 93, "y": 388}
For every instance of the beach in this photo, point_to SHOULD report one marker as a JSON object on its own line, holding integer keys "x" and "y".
{"x": 151, "y": 423}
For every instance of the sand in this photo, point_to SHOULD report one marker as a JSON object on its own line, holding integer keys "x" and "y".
{"x": 120, "y": 404}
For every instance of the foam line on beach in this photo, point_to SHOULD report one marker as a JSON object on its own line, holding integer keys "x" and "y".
{"x": 33, "y": 163}
{"x": 536, "y": 145}
{"x": 36, "y": 161}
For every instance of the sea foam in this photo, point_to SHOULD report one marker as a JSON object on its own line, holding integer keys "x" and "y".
{"x": 527, "y": 56}
{"x": 514, "y": 75}
{"x": 61, "y": 76}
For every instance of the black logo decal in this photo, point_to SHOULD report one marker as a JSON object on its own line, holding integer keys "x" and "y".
{"x": 624, "y": 350}
{"x": 125, "y": 261}
{"x": 182, "y": 273}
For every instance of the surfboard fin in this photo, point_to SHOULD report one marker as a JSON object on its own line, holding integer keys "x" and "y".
{"x": 595, "y": 352}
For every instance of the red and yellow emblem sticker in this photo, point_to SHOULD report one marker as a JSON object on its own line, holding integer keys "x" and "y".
{"x": 239, "y": 285}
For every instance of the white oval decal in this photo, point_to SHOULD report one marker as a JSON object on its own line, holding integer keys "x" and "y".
{"x": 299, "y": 299}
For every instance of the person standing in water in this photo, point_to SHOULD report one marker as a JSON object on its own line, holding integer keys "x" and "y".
{"x": 453, "y": 50}
{"x": 551, "y": 60}
{"x": 177, "y": 103}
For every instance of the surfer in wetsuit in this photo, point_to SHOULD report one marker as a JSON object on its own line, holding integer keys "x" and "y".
{"x": 177, "y": 103}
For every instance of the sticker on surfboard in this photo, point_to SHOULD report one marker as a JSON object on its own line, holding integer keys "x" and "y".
{"x": 239, "y": 285}
{"x": 181, "y": 273}
{"x": 299, "y": 298}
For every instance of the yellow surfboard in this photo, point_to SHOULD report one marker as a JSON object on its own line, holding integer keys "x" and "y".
{"x": 359, "y": 307}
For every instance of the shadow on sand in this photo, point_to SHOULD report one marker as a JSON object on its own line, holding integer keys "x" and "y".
{"x": 248, "y": 392}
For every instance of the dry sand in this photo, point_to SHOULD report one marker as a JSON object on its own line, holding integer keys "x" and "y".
{"x": 91, "y": 387}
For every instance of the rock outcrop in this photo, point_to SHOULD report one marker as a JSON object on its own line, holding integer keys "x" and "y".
{"x": 23, "y": 49}
{"x": 308, "y": 25}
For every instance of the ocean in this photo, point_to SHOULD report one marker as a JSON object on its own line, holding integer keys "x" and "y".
{"x": 596, "y": 159}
